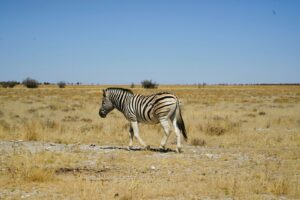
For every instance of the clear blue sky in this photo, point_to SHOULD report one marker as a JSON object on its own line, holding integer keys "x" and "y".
{"x": 168, "y": 41}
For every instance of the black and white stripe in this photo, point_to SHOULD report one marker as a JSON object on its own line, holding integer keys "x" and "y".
{"x": 155, "y": 108}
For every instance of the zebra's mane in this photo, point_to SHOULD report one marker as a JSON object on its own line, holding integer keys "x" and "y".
{"x": 122, "y": 89}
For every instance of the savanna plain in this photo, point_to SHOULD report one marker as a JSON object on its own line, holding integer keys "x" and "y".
{"x": 244, "y": 143}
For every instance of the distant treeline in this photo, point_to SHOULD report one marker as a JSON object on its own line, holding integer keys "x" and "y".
{"x": 9, "y": 84}
{"x": 32, "y": 83}
{"x": 48, "y": 83}
{"x": 245, "y": 84}
{"x": 201, "y": 85}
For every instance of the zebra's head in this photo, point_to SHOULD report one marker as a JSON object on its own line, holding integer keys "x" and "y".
{"x": 106, "y": 106}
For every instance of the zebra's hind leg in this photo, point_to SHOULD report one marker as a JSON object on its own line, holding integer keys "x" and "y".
{"x": 165, "y": 124}
{"x": 131, "y": 134}
{"x": 135, "y": 128}
{"x": 178, "y": 135}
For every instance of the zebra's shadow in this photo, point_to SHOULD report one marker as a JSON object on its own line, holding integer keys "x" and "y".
{"x": 167, "y": 150}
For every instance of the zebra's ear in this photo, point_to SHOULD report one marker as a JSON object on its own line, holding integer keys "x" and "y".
{"x": 103, "y": 92}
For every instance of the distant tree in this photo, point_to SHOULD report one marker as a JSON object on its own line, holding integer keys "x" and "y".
{"x": 46, "y": 83}
{"x": 9, "y": 84}
{"x": 30, "y": 83}
{"x": 61, "y": 84}
{"x": 132, "y": 85}
{"x": 149, "y": 84}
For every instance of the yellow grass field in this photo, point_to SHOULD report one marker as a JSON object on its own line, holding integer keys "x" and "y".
{"x": 244, "y": 143}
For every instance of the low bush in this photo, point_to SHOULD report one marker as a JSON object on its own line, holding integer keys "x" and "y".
{"x": 9, "y": 84}
{"x": 149, "y": 84}
{"x": 30, "y": 83}
{"x": 61, "y": 84}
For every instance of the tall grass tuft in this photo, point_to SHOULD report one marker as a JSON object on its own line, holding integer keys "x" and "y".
{"x": 198, "y": 142}
{"x": 31, "y": 132}
{"x": 5, "y": 126}
{"x": 219, "y": 126}
{"x": 25, "y": 167}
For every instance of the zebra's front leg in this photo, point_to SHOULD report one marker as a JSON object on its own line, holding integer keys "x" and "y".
{"x": 165, "y": 124}
{"x": 135, "y": 128}
{"x": 130, "y": 137}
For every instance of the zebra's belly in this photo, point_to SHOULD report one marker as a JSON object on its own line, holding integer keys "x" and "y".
{"x": 152, "y": 121}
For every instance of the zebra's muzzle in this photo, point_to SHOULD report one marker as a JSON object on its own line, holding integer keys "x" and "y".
{"x": 102, "y": 113}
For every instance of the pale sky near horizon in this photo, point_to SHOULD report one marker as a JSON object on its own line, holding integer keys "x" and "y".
{"x": 168, "y": 41}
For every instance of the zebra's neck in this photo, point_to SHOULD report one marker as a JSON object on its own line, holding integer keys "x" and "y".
{"x": 119, "y": 99}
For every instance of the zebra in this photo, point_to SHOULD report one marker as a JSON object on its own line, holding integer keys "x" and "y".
{"x": 156, "y": 108}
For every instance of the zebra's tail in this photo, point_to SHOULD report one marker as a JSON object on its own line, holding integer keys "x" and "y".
{"x": 180, "y": 122}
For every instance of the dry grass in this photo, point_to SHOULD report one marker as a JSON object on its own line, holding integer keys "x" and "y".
{"x": 197, "y": 142}
{"x": 244, "y": 144}
{"x": 23, "y": 167}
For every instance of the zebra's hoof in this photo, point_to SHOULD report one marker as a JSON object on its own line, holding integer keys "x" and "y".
{"x": 147, "y": 147}
{"x": 129, "y": 148}
{"x": 178, "y": 150}
{"x": 162, "y": 147}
